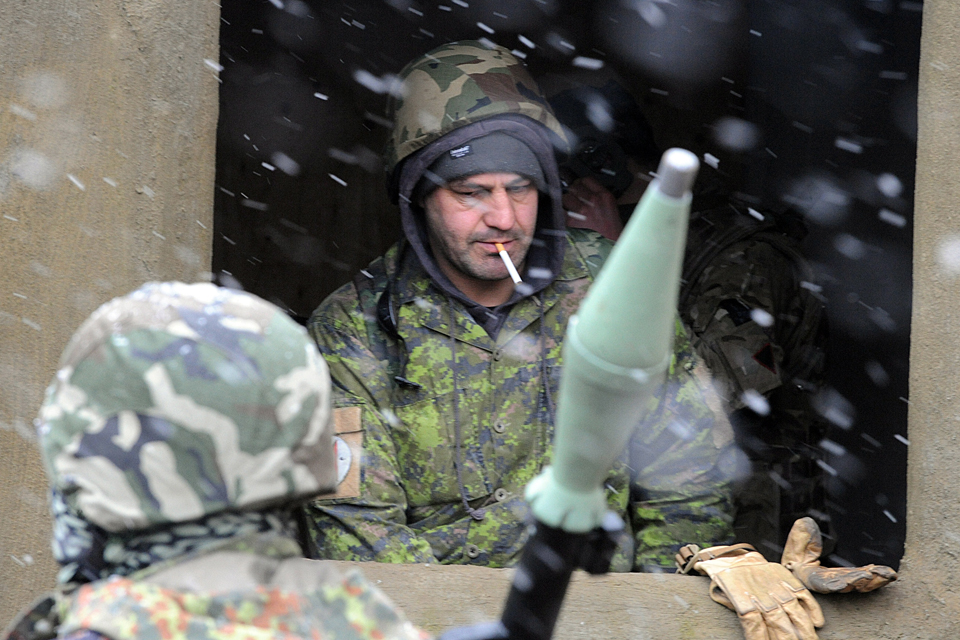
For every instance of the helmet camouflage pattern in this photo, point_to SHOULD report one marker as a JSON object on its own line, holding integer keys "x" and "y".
{"x": 457, "y": 84}
{"x": 178, "y": 401}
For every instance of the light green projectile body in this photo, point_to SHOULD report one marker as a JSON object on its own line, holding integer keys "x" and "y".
{"x": 616, "y": 350}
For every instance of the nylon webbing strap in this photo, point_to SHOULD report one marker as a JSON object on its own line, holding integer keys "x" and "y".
{"x": 689, "y": 555}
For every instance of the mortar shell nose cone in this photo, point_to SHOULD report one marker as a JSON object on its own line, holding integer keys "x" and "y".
{"x": 677, "y": 172}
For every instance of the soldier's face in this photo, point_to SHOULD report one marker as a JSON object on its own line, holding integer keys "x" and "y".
{"x": 468, "y": 216}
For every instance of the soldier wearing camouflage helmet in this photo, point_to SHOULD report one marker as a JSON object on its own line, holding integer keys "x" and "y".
{"x": 445, "y": 372}
{"x": 184, "y": 426}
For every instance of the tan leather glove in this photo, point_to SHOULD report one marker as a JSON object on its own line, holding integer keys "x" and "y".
{"x": 802, "y": 556}
{"x": 771, "y": 603}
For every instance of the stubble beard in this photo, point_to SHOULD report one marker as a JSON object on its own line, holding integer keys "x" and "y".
{"x": 472, "y": 263}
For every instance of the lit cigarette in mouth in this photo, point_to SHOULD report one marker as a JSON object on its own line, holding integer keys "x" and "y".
{"x": 507, "y": 261}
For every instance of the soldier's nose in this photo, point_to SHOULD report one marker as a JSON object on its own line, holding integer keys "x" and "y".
{"x": 500, "y": 213}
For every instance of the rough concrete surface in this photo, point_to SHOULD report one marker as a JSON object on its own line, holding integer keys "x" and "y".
{"x": 933, "y": 477}
{"x": 116, "y": 94}
{"x": 634, "y": 606}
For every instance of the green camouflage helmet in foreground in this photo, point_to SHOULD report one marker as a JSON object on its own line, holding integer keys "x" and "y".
{"x": 458, "y": 84}
{"x": 179, "y": 401}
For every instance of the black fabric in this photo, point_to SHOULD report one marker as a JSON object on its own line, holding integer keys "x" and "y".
{"x": 493, "y": 153}
{"x": 612, "y": 110}
{"x": 738, "y": 311}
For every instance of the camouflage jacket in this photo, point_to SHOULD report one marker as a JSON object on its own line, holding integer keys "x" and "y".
{"x": 404, "y": 502}
{"x": 251, "y": 588}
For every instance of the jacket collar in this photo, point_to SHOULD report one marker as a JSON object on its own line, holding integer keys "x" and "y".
{"x": 420, "y": 302}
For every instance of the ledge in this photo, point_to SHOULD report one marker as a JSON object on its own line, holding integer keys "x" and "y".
{"x": 637, "y": 606}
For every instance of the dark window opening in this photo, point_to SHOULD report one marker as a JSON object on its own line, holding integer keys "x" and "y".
{"x": 827, "y": 92}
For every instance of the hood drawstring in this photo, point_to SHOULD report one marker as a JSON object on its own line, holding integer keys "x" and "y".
{"x": 550, "y": 410}
{"x": 476, "y": 514}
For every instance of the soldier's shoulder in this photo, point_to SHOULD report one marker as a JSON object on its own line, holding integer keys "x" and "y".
{"x": 350, "y": 300}
{"x": 588, "y": 239}
{"x": 592, "y": 247}
{"x": 337, "y": 310}
{"x": 721, "y": 228}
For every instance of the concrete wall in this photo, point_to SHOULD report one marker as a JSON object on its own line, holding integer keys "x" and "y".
{"x": 132, "y": 82}
{"x": 116, "y": 94}
{"x": 933, "y": 475}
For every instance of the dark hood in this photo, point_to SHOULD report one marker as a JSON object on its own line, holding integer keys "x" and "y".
{"x": 546, "y": 251}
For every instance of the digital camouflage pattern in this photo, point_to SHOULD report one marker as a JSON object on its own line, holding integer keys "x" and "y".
{"x": 249, "y": 588}
{"x": 684, "y": 462}
{"x": 410, "y": 509}
{"x": 457, "y": 84}
{"x": 736, "y": 264}
{"x": 179, "y": 401}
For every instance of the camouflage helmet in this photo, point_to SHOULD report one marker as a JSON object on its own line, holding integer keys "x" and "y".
{"x": 455, "y": 85}
{"x": 179, "y": 401}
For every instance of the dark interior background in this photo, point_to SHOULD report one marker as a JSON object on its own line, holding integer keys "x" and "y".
{"x": 823, "y": 94}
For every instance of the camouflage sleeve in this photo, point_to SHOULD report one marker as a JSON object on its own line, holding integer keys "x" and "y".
{"x": 366, "y": 521}
{"x": 683, "y": 460}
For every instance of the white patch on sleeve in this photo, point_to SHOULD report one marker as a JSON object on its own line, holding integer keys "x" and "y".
{"x": 344, "y": 458}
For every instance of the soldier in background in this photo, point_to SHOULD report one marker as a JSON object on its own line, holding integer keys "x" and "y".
{"x": 184, "y": 427}
{"x": 747, "y": 296}
{"x": 446, "y": 371}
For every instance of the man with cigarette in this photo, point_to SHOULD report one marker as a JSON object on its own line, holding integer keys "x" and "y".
{"x": 445, "y": 352}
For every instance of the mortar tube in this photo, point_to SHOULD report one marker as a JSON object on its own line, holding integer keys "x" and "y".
{"x": 616, "y": 351}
